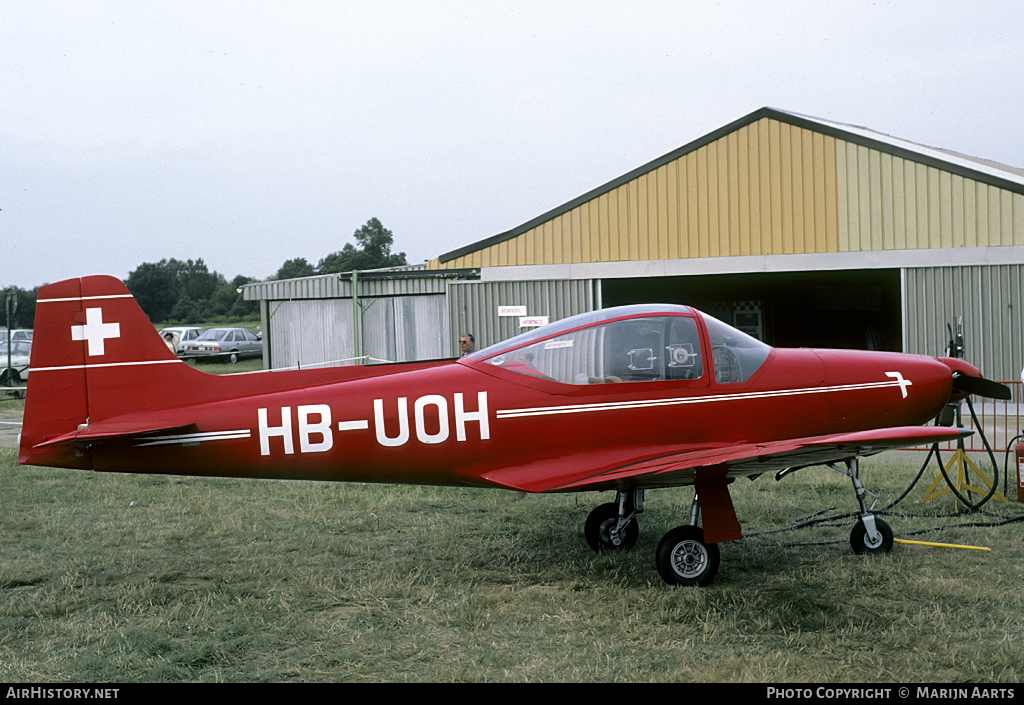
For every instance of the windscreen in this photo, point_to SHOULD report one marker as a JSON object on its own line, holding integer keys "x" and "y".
{"x": 735, "y": 355}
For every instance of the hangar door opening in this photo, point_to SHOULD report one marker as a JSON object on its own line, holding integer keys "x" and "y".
{"x": 854, "y": 309}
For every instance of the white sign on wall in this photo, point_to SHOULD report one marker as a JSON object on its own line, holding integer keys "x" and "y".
{"x": 511, "y": 310}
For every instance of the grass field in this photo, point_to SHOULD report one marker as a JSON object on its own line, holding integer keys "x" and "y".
{"x": 152, "y": 578}
{"x": 216, "y": 366}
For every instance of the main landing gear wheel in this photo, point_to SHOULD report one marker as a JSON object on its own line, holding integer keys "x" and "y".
{"x": 864, "y": 543}
{"x": 684, "y": 559}
{"x": 600, "y": 525}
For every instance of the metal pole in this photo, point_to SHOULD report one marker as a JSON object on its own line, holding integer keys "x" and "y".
{"x": 356, "y": 328}
{"x": 7, "y": 305}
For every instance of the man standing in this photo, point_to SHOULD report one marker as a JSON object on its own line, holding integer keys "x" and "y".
{"x": 466, "y": 344}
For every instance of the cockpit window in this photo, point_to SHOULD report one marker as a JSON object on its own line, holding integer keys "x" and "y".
{"x": 643, "y": 349}
{"x": 735, "y": 355}
{"x": 641, "y": 343}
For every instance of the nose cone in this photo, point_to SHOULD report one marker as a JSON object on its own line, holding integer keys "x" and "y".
{"x": 882, "y": 388}
{"x": 957, "y": 365}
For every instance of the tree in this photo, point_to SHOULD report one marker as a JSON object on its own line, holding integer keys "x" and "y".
{"x": 295, "y": 268}
{"x": 227, "y": 302}
{"x": 25, "y": 315}
{"x": 374, "y": 251}
{"x": 154, "y": 287}
{"x": 186, "y": 309}
{"x": 194, "y": 280}
{"x": 180, "y": 290}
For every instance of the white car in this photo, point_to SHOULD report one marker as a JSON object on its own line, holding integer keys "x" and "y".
{"x": 17, "y": 371}
{"x": 183, "y": 336}
{"x": 16, "y": 334}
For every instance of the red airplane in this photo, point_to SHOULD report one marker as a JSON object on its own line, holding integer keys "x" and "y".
{"x": 625, "y": 399}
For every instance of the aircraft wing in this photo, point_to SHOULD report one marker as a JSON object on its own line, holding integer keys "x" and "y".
{"x": 739, "y": 460}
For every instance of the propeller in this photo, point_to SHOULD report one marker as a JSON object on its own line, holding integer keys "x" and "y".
{"x": 969, "y": 384}
{"x": 980, "y": 386}
{"x": 967, "y": 380}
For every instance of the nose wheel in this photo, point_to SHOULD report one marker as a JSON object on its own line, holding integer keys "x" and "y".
{"x": 873, "y": 541}
{"x": 870, "y": 535}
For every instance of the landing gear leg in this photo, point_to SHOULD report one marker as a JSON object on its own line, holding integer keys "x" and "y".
{"x": 683, "y": 558}
{"x": 614, "y": 525}
{"x": 870, "y": 534}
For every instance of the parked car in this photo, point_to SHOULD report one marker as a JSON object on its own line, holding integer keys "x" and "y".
{"x": 182, "y": 336}
{"x": 16, "y": 334}
{"x": 232, "y": 344}
{"x": 21, "y": 350}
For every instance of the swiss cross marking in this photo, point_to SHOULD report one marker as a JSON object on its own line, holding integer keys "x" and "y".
{"x": 95, "y": 331}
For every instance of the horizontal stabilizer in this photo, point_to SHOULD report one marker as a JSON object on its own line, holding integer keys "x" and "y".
{"x": 110, "y": 430}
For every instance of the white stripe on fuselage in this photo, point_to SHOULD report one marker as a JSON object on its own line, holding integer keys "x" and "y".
{"x": 194, "y": 438}
{"x": 84, "y": 298}
{"x": 642, "y": 403}
{"x": 95, "y": 366}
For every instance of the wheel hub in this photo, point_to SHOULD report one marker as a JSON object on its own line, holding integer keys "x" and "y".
{"x": 689, "y": 559}
{"x": 609, "y": 534}
{"x": 873, "y": 541}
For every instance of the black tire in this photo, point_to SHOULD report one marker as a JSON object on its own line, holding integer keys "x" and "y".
{"x": 859, "y": 538}
{"x": 10, "y": 376}
{"x": 598, "y": 527}
{"x": 684, "y": 559}
{"x": 233, "y": 358}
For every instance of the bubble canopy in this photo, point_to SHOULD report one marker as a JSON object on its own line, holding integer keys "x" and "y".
{"x": 639, "y": 343}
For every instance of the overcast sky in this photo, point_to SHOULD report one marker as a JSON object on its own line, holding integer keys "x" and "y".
{"x": 249, "y": 133}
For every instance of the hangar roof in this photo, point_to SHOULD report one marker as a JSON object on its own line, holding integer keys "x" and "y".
{"x": 1007, "y": 178}
{"x": 387, "y": 281}
{"x": 948, "y": 158}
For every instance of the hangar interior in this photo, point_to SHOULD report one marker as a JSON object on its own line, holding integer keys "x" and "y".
{"x": 858, "y": 309}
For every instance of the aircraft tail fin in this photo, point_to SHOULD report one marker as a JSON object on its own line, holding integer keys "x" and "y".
{"x": 95, "y": 356}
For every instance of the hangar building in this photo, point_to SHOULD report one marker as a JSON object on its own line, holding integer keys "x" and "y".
{"x": 397, "y": 314}
{"x": 800, "y": 231}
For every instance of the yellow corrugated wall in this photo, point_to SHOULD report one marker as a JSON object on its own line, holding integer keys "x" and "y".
{"x": 769, "y": 188}
{"x": 890, "y": 203}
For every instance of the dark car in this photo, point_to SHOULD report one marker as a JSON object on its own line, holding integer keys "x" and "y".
{"x": 231, "y": 344}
